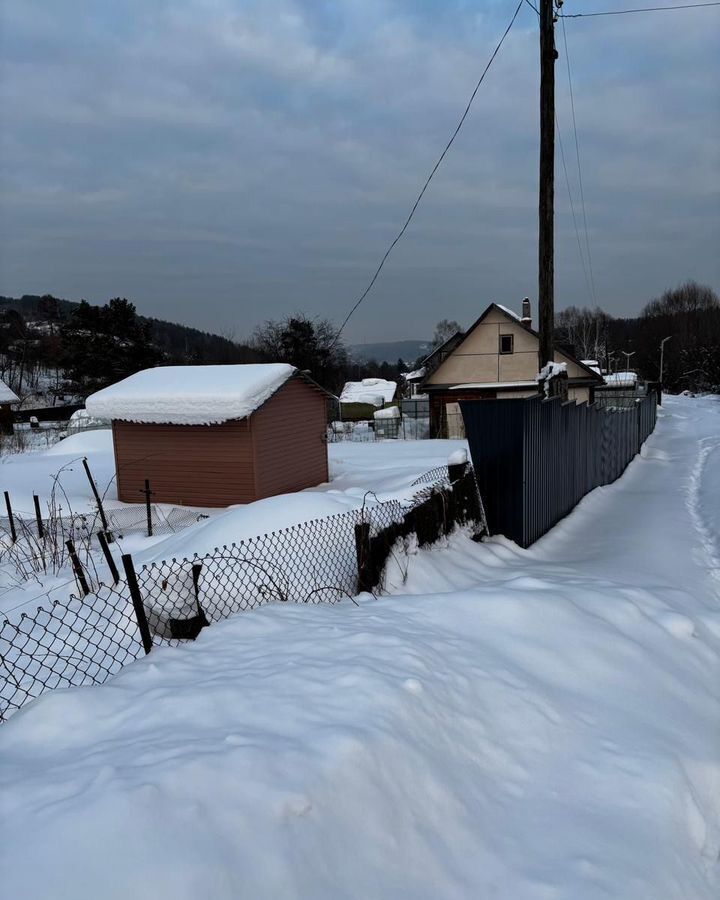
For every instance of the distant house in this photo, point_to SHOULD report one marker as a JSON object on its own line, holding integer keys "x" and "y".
{"x": 215, "y": 435}
{"x": 360, "y": 399}
{"x": 8, "y": 398}
{"x": 496, "y": 358}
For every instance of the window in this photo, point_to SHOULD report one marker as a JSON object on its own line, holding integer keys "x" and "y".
{"x": 506, "y": 343}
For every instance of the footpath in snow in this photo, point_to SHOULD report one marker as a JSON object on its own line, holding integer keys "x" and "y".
{"x": 516, "y": 724}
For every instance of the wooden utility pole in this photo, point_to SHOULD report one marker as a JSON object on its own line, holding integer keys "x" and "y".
{"x": 546, "y": 251}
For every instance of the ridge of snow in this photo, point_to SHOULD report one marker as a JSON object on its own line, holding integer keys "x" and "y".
{"x": 512, "y": 314}
{"x": 190, "y": 395}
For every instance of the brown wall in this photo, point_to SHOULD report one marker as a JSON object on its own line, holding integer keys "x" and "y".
{"x": 280, "y": 448}
{"x": 194, "y": 465}
{"x": 289, "y": 437}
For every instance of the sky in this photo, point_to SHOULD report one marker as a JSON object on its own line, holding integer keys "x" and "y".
{"x": 222, "y": 162}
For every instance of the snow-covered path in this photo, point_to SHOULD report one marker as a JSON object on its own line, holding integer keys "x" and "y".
{"x": 529, "y": 725}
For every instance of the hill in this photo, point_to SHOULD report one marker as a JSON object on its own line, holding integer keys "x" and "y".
{"x": 390, "y": 351}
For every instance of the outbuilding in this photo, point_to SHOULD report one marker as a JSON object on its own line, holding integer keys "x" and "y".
{"x": 8, "y": 398}
{"x": 215, "y": 435}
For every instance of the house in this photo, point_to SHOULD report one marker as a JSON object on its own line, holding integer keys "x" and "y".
{"x": 215, "y": 435}
{"x": 496, "y": 358}
{"x": 8, "y": 397}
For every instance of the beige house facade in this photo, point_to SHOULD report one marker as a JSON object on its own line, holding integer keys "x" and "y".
{"x": 497, "y": 358}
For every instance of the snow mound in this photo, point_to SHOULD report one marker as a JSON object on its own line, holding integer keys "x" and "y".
{"x": 390, "y": 412}
{"x": 98, "y": 440}
{"x": 190, "y": 395}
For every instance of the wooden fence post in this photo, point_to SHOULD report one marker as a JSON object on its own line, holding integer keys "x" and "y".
{"x": 77, "y": 567}
{"x": 13, "y": 532}
{"x": 137, "y": 602}
{"x": 104, "y": 546}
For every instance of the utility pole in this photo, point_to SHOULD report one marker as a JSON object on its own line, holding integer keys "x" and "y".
{"x": 546, "y": 302}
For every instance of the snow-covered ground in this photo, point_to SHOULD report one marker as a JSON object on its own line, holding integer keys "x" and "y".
{"x": 514, "y": 724}
{"x": 360, "y": 473}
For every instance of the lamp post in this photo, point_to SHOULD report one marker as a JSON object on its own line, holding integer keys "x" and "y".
{"x": 662, "y": 351}
{"x": 627, "y": 359}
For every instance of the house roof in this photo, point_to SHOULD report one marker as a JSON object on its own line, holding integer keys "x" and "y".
{"x": 376, "y": 391}
{"x": 7, "y": 395}
{"x": 190, "y": 395}
{"x": 453, "y": 340}
{"x": 591, "y": 375}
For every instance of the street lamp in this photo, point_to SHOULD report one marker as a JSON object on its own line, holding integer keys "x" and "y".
{"x": 627, "y": 359}
{"x": 662, "y": 350}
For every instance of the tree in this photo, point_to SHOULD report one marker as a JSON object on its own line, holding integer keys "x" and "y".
{"x": 444, "y": 329}
{"x": 585, "y": 330}
{"x": 308, "y": 344}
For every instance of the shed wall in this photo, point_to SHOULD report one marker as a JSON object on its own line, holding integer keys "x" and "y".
{"x": 289, "y": 438}
{"x": 194, "y": 465}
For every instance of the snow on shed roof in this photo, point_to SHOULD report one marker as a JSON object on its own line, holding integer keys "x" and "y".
{"x": 376, "y": 391}
{"x": 190, "y": 395}
{"x": 7, "y": 395}
{"x": 622, "y": 379}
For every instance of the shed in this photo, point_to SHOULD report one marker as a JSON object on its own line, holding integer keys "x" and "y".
{"x": 8, "y": 397}
{"x": 215, "y": 435}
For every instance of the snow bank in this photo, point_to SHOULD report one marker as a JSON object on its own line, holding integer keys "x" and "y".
{"x": 93, "y": 441}
{"x": 376, "y": 391}
{"x": 190, "y": 395}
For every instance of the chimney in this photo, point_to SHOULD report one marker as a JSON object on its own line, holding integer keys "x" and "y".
{"x": 526, "y": 318}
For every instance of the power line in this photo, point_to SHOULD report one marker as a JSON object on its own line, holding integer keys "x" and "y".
{"x": 429, "y": 178}
{"x": 625, "y": 12}
{"x": 580, "y": 178}
{"x": 572, "y": 210}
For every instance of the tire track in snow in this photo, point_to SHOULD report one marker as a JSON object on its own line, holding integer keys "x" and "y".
{"x": 708, "y": 539}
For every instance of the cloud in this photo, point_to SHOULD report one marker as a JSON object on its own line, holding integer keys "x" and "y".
{"x": 220, "y": 162}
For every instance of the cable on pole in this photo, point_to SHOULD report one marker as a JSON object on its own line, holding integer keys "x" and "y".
{"x": 580, "y": 178}
{"x": 429, "y": 178}
{"x": 625, "y": 12}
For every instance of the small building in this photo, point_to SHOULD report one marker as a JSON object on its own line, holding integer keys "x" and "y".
{"x": 496, "y": 358}
{"x": 215, "y": 435}
{"x": 8, "y": 398}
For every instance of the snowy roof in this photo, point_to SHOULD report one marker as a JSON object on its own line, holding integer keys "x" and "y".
{"x": 417, "y": 375}
{"x": 512, "y": 314}
{"x": 7, "y": 395}
{"x": 190, "y": 395}
{"x": 493, "y": 384}
{"x": 592, "y": 364}
{"x": 376, "y": 391}
{"x": 622, "y": 379}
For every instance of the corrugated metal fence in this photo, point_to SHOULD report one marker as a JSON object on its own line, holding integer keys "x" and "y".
{"x": 535, "y": 459}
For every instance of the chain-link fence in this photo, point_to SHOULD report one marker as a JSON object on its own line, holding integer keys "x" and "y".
{"x": 84, "y": 641}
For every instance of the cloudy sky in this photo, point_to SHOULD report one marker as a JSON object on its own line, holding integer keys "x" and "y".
{"x": 220, "y": 162}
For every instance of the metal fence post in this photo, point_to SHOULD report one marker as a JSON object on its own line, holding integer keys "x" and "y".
{"x": 137, "y": 602}
{"x": 77, "y": 567}
{"x": 104, "y": 546}
{"x": 38, "y": 516}
{"x": 362, "y": 550}
{"x": 13, "y": 533}
{"x": 103, "y": 518}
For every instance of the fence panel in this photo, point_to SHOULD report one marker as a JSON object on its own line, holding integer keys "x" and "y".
{"x": 535, "y": 459}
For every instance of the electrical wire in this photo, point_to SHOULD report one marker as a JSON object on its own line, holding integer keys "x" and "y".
{"x": 625, "y": 12}
{"x": 580, "y": 178}
{"x": 429, "y": 178}
{"x": 572, "y": 210}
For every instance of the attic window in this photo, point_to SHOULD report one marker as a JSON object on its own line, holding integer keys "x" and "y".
{"x": 506, "y": 343}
